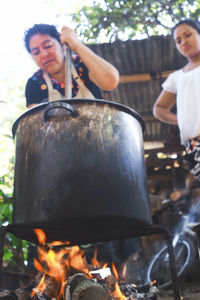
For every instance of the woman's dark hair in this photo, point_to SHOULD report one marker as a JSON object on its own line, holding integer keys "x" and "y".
{"x": 193, "y": 23}
{"x": 40, "y": 29}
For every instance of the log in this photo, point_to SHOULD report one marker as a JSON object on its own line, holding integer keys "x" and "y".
{"x": 14, "y": 295}
{"x": 144, "y": 76}
{"x": 81, "y": 288}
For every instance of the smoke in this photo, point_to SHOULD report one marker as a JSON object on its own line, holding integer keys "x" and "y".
{"x": 190, "y": 220}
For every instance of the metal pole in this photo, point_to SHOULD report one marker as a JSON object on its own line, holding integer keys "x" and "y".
{"x": 154, "y": 229}
{"x": 172, "y": 263}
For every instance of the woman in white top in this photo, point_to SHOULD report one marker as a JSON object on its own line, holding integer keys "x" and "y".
{"x": 183, "y": 88}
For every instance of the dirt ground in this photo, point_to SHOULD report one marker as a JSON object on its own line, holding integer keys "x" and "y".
{"x": 189, "y": 284}
{"x": 191, "y": 291}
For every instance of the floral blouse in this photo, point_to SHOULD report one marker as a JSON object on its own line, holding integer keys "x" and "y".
{"x": 36, "y": 90}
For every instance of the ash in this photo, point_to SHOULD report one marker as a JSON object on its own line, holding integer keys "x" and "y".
{"x": 146, "y": 291}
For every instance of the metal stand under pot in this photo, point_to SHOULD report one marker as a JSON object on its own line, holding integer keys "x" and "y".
{"x": 149, "y": 230}
{"x": 196, "y": 229}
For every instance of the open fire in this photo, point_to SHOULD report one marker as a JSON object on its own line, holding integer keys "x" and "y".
{"x": 62, "y": 266}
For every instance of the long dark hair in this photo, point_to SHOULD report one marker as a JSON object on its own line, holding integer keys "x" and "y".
{"x": 41, "y": 29}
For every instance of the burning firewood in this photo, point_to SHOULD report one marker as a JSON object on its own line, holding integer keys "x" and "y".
{"x": 79, "y": 287}
{"x": 14, "y": 295}
{"x": 76, "y": 287}
{"x": 64, "y": 274}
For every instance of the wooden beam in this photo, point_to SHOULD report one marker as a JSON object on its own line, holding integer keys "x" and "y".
{"x": 144, "y": 77}
{"x": 162, "y": 177}
{"x": 166, "y": 149}
{"x": 160, "y": 163}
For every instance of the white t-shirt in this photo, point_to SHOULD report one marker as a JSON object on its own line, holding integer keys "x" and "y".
{"x": 186, "y": 86}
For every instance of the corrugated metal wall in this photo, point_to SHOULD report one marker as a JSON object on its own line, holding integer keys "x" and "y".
{"x": 152, "y": 56}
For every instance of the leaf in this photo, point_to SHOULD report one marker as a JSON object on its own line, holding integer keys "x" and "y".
{"x": 111, "y": 18}
{"x": 7, "y": 255}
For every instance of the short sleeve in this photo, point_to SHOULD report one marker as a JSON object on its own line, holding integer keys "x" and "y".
{"x": 33, "y": 92}
{"x": 170, "y": 84}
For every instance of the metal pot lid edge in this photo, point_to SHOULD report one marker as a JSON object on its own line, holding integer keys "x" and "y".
{"x": 75, "y": 100}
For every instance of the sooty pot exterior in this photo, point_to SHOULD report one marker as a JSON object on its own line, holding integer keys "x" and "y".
{"x": 80, "y": 172}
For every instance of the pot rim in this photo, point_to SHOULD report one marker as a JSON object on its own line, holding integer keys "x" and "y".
{"x": 80, "y": 100}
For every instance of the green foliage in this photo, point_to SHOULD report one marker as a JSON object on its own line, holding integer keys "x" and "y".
{"x": 15, "y": 250}
{"x": 11, "y": 106}
{"x": 109, "y": 20}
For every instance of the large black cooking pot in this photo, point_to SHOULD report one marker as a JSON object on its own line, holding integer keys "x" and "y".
{"x": 80, "y": 172}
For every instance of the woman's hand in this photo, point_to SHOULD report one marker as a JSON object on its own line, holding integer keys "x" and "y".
{"x": 68, "y": 35}
{"x": 101, "y": 72}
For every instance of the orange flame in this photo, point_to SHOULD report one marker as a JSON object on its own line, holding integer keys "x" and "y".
{"x": 115, "y": 271}
{"x": 56, "y": 263}
{"x": 41, "y": 236}
{"x": 76, "y": 261}
{"x": 53, "y": 264}
{"x": 41, "y": 286}
{"x": 117, "y": 294}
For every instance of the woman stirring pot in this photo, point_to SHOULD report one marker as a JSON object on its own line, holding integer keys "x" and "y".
{"x": 90, "y": 73}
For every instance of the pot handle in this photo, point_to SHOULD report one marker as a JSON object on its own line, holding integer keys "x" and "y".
{"x": 63, "y": 105}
